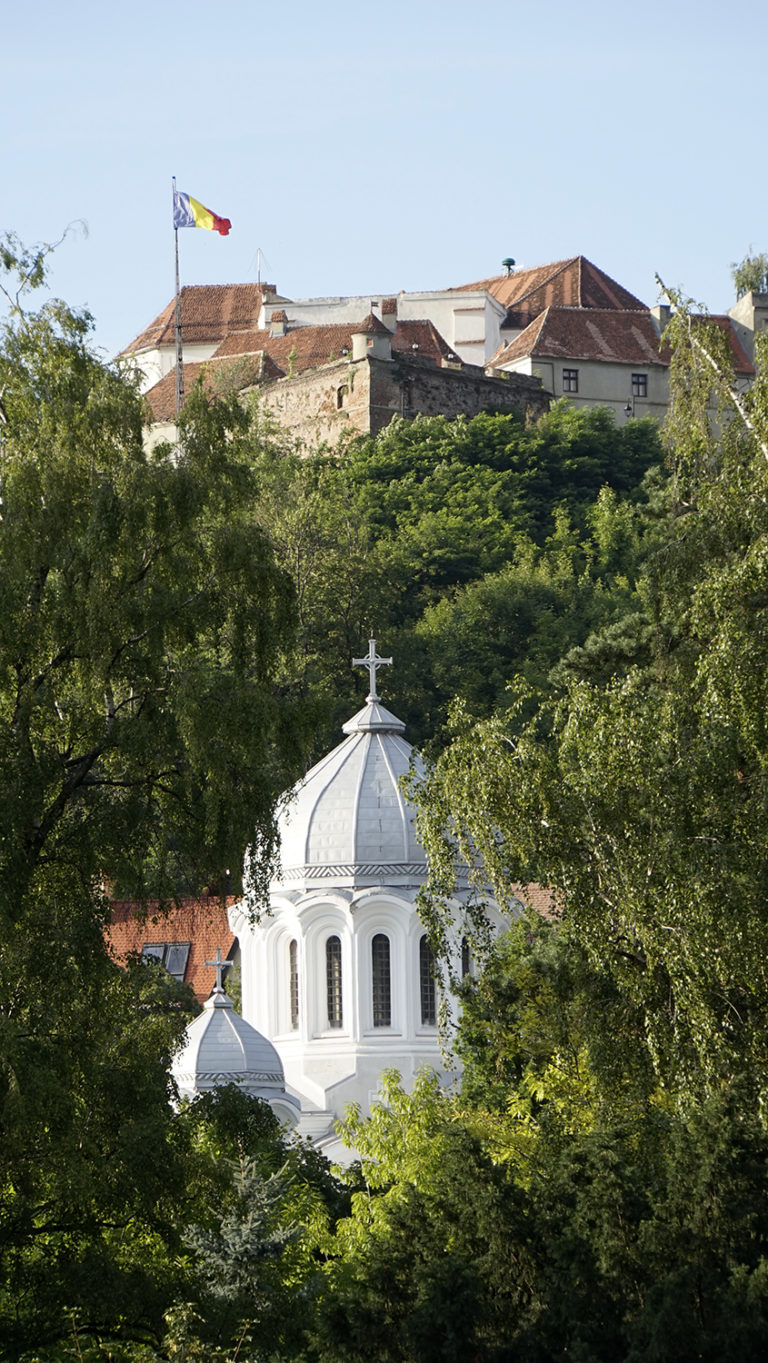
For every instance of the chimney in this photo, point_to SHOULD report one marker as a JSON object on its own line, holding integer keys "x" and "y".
{"x": 389, "y": 313}
{"x": 660, "y": 315}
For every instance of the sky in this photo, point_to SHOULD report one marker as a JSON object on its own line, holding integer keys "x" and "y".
{"x": 364, "y": 148}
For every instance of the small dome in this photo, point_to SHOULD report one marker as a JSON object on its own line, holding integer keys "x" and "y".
{"x": 220, "y": 1047}
{"x": 347, "y": 823}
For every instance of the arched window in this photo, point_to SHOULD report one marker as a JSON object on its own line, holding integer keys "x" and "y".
{"x": 427, "y": 990}
{"x": 293, "y": 983}
{"x": 382, "y": 992}
{"x": 333, "y": 980}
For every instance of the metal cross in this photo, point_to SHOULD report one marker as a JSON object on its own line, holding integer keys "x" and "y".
{"x": 220, "y": 968}
{"x": 372, "y": 661}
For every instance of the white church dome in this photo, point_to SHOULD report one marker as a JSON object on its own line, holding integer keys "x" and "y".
{"x": 347, "y": 823}
{"x": 220, "y": 1047}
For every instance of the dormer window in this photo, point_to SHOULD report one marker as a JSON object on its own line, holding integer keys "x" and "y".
{"x": 172, "y": 955}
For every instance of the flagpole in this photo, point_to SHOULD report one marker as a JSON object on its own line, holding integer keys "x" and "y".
{"x": 179, "y": 358}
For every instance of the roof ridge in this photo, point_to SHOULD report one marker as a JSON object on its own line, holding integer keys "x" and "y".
{"x": 557, "y": 267}
{"x": 533, "y": 329}
{"x": 577, "y": 307}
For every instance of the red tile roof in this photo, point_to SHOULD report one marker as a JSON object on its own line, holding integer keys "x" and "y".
{"x": 208, "y": 313}
{"x": 602, "y": 334}
{"x": 307, "y": 347}
{"x": 201, "y": 922}
{"x": 566, "y": 283}
{"x": 423, "y": 334}
{"x": 217, "y": 375}
{"x": 538, "y": 899}
{"x": 524, "y": 344}
{"x": 372, "y": 325}
{"x": 301, "y": 349}
{"x": 587, "y": 334}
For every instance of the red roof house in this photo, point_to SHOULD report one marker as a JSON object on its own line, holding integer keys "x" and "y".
{"x": 184, "y": 938}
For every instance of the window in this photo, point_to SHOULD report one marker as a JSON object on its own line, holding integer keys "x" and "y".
{"x": 382, "y": 994}
{"x": 172, "y": 955}
{"x": 293, "y": 983}
{"x": 427, "y": 990}
{"x": 466, "y": 959}
{"x": 341, "y": 394}
{"x": 639, "y": 385}
{"x": 333, "y": 981}
{"x": 570, "y": 380}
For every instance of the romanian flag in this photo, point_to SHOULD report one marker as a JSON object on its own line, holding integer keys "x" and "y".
{"x": 189, "y": 212}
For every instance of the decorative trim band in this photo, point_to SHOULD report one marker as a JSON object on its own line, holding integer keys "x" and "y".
{"x": 356, "y": 868}
{"x": 381, "y": 870}
{"x": 228, "y": 1077}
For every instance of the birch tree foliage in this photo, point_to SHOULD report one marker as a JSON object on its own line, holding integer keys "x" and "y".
{"x": 641, "y": 800}
{"x": 142, "y": 621}
{"x": 751, "y": 273}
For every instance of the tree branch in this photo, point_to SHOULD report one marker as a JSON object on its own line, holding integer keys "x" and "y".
{"x": 722, "y": 379}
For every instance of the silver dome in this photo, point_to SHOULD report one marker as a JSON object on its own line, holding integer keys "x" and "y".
{"x": 348, "y": 823}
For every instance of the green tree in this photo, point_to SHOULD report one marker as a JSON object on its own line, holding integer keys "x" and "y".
{"x": 472, "y": 548}
{"x": 640, "y": 799}
{"x": 524, "y": 619}
{"x": 419, "y": 1269}
{"x": 558, "y": 1205}
{"x": 751, "y": 274}
{"x": 258, "y": 1204}
{"x": 323, "y": 545}
{"x": 91, "y": 1174}
{"x": 453, "y": 497}
{"x": 143, "y": 622}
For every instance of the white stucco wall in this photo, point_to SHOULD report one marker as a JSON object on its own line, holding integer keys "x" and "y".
{"x": 470, "y": 321}
{"x": 602, "y": 384}
{"x": 155, "y": 363}
{"x": 317, "y": 312}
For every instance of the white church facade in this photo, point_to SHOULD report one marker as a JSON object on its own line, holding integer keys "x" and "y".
{"x": 339, "y": 973}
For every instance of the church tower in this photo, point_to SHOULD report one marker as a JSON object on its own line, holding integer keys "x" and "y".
{"x": 339, "y": 973}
